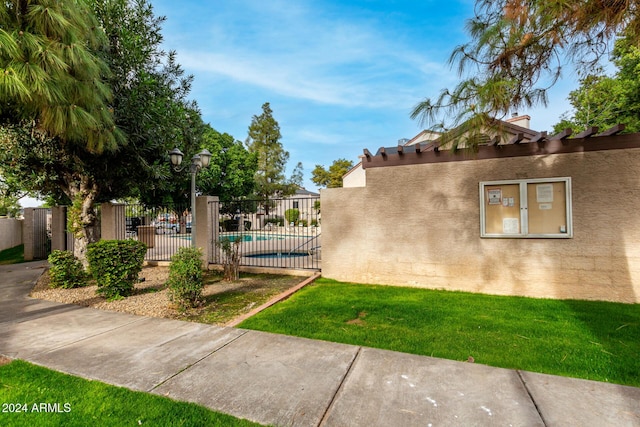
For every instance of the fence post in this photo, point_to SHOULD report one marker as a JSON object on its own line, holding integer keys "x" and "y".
{"x": 28, "y": 234}
{"x": 58, "y": 228}
{"x": 113, "y": 222}
{"x": 205, "y": 227}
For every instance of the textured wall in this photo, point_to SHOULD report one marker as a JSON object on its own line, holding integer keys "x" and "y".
{"x": 10, "y": 233}
{"x": 419, "y": 225}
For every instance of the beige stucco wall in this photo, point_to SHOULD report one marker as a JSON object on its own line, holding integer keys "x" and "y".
{"x": 419, "y": 225}
{"x": 356, "y": 177}
{"x": 10, "y": 233}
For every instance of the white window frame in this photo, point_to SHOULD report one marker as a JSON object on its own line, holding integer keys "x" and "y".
{"x": 524, "y": 209}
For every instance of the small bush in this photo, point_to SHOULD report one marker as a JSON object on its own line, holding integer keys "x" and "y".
{"x": 185, "y": 277}
{"x": 292, "y": 215}
{"x": 115, "y": 264}
{"x": 66, "y": 270}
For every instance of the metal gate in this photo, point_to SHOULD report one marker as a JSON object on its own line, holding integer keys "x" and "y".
{"x": 275, "y": 233}
{"x": 41, "y": 232}
{"x": 163, "y": 229}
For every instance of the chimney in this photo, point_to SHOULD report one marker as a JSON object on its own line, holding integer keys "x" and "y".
{"x": 522, "y": 121}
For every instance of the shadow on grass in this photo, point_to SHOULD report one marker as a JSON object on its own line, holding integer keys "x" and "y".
{"x": 13, "y": 255}
{"x": 614, "y": 331}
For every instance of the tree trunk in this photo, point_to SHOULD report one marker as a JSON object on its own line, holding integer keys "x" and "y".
{"x": 83, "y": 221}
{"x": 90, "y": 234}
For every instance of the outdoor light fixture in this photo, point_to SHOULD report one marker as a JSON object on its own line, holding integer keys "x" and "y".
{"x": 198, "y": 162}
{"x": 176, "y": 156}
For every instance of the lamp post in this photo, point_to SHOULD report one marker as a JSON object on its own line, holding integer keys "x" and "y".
{"x": 199, "y": 161}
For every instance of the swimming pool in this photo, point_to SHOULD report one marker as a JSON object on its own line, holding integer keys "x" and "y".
{"x": 270, "y": 255}
{"x": 252, "y": 237}
{"x": 245, "y": 237}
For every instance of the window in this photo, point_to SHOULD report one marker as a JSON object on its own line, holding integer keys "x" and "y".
{"x": 528, "y": 208}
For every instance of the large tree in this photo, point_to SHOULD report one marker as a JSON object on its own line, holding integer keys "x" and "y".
{"x": 231, "y": 173}
{"x": 10, "y": 193}
{"x": 518, "y": 50}
{"x": 331, "y": 178}
{"x": 264, "y": 141}
{"x": 51, "y": 73}
{"x": 148, "y": 104}
{"x": 604, "y": 101}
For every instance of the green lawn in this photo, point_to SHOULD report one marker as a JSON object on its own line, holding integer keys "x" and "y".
{"x": 48, "y": 398}
{"x": 12, "y": 255}
{"x": 582, "y": 339}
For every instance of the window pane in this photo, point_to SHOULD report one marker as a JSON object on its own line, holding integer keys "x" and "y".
{"x": 547, "y": 207}
{"x": 502, "y": 209}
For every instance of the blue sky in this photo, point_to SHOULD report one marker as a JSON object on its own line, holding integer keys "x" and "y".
{"x": 340, "y": 75}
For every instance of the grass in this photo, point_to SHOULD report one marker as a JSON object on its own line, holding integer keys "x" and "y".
{"x": 73, "y": 401}
{"x": 12, "y": 255}
{"x": 252, "y": 290}
{"x": 582, "y": 339}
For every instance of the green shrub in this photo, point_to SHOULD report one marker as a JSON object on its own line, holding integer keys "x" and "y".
{"x": 292, "y": 215}
{"x": 115, "y": 264}
{"x": 66, "y": 270}
{"x": 185, "y": 277}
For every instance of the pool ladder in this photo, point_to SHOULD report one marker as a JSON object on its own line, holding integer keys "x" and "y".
{"x": 310, "y": 251}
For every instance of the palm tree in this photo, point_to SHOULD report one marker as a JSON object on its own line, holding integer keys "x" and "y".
{"x": 50, "y": 74}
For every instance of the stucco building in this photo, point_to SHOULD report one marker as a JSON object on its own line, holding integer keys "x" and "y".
{"x": 539, "y": 216}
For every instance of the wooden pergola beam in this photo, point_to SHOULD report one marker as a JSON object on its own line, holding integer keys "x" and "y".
{"x": 588, "y": 132}
{"x": 541, "y": 136}
{"x": 516, "y": 139}
{"x": 613, "y": 130}
{"x": 562, "y": 135}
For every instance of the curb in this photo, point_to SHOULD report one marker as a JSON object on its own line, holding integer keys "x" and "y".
{"x": 284, "y": 295}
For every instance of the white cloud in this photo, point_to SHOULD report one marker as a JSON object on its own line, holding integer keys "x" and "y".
{"x": 314, "y": 55}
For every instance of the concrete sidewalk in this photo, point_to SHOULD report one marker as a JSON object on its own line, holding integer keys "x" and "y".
{"x": 282, "y": 380}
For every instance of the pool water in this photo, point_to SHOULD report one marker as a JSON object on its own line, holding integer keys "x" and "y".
{"x": 252, "y": 237}
{"x": 243, "y": 237}
{"x": 270, "y": 255}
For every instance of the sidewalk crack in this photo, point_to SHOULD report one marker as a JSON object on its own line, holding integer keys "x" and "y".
{"x": 533, "y": 400}
{"x": 196, "y": 362}
{"x": 340, "y": 387}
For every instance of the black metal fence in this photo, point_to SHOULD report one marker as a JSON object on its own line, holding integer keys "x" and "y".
{"x": 278, "y": 233}
{"x": 163, "y": 229}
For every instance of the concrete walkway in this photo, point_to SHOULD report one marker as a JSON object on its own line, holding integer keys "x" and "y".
{"x": 282, "y": 380}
